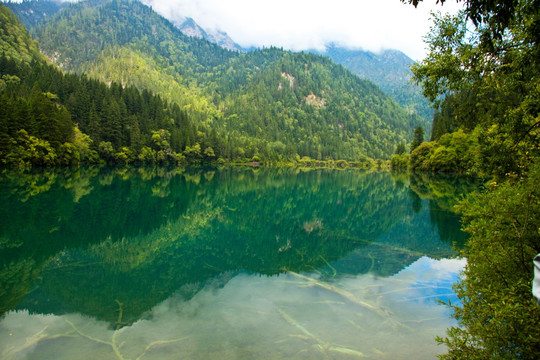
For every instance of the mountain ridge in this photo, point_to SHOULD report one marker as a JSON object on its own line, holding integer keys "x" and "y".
{"x": 189, "y": 27}
{"x": 388, "y": 69}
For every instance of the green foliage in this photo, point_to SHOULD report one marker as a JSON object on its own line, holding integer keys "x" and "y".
{"x": 193, "y": 153}
{"x": 498, "y": 316}
{"x": 27, "y": 150}
{"x": 106, "y": 150}
{"x": 400, "y": 161}
{"x": 209, "y": 153}
{"x": 303, "y": 104}
{"x": 486, "y": 83}
{"x": 124, "y": 156}
{"x": 388, "y": 69}
{"x": 456, "y": 152}
{"x": 421, "y": 155}
{"x": 83, "y": 143}
{"x": 497, "y": 15}
{"x": 444, "y": 119}
{"x": 121, "y": 116}
{"x": 68, "y": 155}
{"x": 15, "y": 42}
{"x": 81, "y": 120}
{"x": 147, "y": 155}
{"x": 400, "y": 149}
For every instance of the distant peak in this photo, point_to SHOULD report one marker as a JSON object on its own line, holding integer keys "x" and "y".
{"x": 188, "y": 26}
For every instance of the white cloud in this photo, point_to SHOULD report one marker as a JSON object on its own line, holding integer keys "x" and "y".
{"x": 250, "y": 316}
{"x": 303, "y": 24}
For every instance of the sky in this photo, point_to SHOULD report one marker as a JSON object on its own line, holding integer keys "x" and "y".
{"x": 371, "y": 25}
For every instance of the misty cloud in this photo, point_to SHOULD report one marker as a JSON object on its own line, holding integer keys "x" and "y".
{"x": 305, "y": 24}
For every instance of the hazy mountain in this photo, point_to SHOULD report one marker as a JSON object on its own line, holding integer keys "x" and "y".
{"x": 189, "y": 27}
{"x": 388, "y": 69}
{"x": 34, "y": 12}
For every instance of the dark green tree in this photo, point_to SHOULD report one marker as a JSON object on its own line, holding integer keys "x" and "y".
{"x": 400, "y": 149}
{"x": 418, "y": 138}
{"x": 492, "y": 72}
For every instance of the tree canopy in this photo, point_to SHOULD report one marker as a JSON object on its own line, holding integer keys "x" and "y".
{"x": 485, "y": 84}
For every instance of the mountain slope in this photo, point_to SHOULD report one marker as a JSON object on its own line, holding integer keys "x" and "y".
{"x": 15, "y": 42}
{"x": 82, "y": 31}
{"x": 319, "y": 107}
{"x": 48, "y": 118}
{"x": 389, "y": 70}
{"x": 272, "y": 103}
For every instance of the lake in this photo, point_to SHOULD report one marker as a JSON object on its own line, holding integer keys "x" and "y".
{"x": 226, "y": 263}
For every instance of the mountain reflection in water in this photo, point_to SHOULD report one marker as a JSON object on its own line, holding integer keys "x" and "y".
{"x": 225, "y": 263}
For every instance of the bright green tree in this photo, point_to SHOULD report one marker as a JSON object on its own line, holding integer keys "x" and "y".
{"x": 498, "y": 316}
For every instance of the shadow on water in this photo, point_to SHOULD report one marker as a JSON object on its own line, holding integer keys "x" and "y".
{"x": 112, "y": 243}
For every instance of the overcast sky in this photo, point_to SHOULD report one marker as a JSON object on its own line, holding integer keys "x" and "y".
{"x": 304, "y": 24}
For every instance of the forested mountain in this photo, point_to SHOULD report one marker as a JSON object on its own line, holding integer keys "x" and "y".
{"x": 270, "y": 103}
{"x": 15, "y": 42}
{"x": 390, "y": 71}
{"x": 49, "y": 118}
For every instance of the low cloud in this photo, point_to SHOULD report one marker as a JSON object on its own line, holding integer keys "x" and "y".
{"x": 305, "y": 24}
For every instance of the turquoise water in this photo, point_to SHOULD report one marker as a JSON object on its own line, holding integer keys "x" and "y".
{"x": 231, "y": 263}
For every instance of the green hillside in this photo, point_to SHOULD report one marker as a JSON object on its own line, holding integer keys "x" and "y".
{"x": 48, "y": 118}
{"x": 33, "y": 12}
{"x": 388, "y": 69}
{"x": 328, "y": 113}
{"x": 15, "y": 42}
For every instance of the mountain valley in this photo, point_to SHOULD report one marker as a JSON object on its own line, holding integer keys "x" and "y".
{"x": 272, "y": 104}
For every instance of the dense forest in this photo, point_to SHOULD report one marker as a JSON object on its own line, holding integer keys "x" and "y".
{"x": 389, "y": 70}
{"x": 268, "y": 104}
{"x": 50, "y": 118}
{"x": 482, "y": 74}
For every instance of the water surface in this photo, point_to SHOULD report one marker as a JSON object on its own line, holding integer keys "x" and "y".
{"x": 231, "y": 263}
